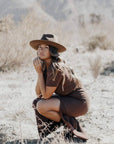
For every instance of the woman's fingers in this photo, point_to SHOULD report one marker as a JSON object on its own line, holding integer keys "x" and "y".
{"x": 36, "y": 61}
{"x": 37, "y": 64}
{"x": 39, "y": 96}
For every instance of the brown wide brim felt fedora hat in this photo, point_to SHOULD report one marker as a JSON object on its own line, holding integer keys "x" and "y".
{"x": 48, "y": 39}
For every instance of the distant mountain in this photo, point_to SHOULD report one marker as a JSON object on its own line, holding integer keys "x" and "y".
{"x": 59, "y": 9}
{"x": 14, "y": 8}
{"x": 21, "y": 8}
{"x": 62, "y": 9}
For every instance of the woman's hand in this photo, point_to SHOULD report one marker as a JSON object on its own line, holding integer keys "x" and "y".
{"x": 39, "y": 96}
{"x": 37, "y": 64}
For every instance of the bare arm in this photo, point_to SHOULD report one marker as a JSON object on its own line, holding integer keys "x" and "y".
{"x": 45, "y": 90}
{"x": 40, "y": 87}
{"x": 37, "y": 89}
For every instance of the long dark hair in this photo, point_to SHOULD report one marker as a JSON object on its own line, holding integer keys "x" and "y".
{"x": 55, "y": 60}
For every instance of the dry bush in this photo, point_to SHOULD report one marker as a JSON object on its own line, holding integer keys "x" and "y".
{"x": 98, "y": 35}
{"x": 14, "y": 38}
{"x": 100, "y": 41}
{"x": 6, "y": 23}
{"x": 95, "y": 65}
{"x": 95, "y": 18}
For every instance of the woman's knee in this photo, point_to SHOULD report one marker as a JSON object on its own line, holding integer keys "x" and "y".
{"x": 44, "y": 106}
{"x": 40, "y": 107}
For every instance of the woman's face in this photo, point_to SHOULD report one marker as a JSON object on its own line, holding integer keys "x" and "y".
{"x": 43, "y": 52}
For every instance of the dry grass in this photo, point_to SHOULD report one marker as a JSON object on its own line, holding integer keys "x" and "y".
{"x": 95, "y": 65}
{"x": 98, "y": 36}
{"x": 14, "y": 38}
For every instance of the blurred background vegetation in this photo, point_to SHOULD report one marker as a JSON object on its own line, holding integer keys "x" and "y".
{"x": 77, "y": 23}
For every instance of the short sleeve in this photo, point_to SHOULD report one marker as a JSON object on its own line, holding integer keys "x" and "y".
{"x": 53, "y": 82}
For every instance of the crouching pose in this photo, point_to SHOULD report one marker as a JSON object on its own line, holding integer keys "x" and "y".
{"x": 60, "y": 95}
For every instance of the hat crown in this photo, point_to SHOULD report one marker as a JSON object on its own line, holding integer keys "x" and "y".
{"x": 49, "y": 37}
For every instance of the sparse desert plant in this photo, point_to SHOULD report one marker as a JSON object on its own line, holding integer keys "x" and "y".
{"x": 97, "y": 35}
{"x": 100, "y": 41}
{"x": 6, "y": 23}
{"x": 96, "y": 41}
{"x": 2, "y": 138}
{"x": 94, "y": 18}
{"x": 95, "y": 65}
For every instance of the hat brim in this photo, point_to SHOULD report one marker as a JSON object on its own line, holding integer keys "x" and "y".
{"x": 34, "y": 44}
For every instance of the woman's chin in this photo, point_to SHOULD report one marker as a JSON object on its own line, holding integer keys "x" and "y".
{"x": 42, "y": 58}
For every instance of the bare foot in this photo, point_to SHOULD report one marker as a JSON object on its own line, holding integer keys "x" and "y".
{"x": 80, "y": 134}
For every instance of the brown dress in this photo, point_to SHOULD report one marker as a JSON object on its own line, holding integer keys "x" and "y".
{"x": 74, "y": 100}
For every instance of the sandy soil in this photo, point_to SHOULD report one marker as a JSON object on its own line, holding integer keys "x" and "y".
{"x": 17, "y": 119}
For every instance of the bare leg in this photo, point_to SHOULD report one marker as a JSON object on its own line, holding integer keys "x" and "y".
{"x": 52, "y": 115}
{"x": 49, "y": 108}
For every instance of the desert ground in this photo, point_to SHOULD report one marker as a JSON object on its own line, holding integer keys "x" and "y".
{"x": 17, "y": 91}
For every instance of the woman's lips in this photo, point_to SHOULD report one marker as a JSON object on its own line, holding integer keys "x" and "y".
{"x": 41, "y": 54}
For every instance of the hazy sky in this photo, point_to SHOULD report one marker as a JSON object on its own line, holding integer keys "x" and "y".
{"x": 23, "y": 3}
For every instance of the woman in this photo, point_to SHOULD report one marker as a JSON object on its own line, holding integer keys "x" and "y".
{"x": 60, "y": 96}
